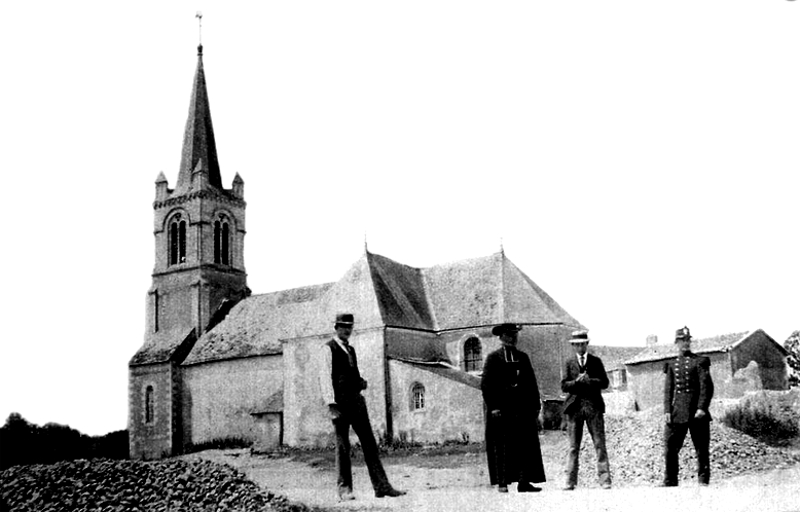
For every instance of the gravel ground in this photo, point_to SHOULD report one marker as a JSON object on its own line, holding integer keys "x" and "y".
{"x": 746, "y": 475}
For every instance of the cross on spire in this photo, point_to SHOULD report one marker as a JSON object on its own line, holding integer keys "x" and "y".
{"x": 199, "y": 17}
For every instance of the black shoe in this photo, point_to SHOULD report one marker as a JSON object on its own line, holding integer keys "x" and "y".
{"x": 526, "y": 487}
{"x": 389, "y": 493}
{"x": 669, "y": 484}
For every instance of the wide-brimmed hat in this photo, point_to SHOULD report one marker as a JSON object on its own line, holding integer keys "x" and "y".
{"x": 683, "y": 334}
{"x": 497, "y": 330}
{"x": 581, "y": 336}
{"x": 344, "y": 319}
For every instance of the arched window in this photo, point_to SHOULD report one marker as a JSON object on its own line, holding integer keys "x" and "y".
{"x": 417, "y": 397}
{"x": 177, "y": 240}
{"x": 221, "y": 241}
{"x": 473, "y": 360}
{"x": 148, "y": 405}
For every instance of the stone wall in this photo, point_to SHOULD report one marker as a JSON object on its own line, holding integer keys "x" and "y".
{"x": 305, "y": 419}
{"x": 220, "y": 398}
{"x": 452, "y": 410}
{"x": 152, "y": 439}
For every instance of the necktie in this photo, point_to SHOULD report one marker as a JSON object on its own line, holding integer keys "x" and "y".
{"x": 349, "y": 350}
{"x": 583, "y": 362}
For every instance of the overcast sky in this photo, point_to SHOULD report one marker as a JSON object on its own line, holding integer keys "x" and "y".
{"x": 638, "y": 160}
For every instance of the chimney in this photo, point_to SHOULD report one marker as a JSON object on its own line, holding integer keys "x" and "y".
{"x": 652, "y": 340}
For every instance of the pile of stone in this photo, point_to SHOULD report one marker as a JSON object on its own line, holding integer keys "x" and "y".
{"x": 635, "y": 449}
{"x": 170, "y": 485}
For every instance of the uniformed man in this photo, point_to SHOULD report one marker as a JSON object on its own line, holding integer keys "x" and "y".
{"x": 688, "y": 390}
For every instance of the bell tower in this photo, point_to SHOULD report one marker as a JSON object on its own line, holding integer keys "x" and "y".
{"x": 199, "y": 273}
{"x": 199, "y": 229}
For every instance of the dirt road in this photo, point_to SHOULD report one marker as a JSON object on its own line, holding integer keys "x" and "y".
{"x": 465, "y": 488}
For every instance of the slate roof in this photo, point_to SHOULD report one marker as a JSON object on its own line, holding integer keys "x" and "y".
{"x": 164, "y": 347}
{"x": 199, "y": 145}
{"x": 720, "y": 343}
{"x": 274, "y": 403}
{"x": 256, "y": 325}
{"x": 382, "y": 292}
{"x": 614, "y": 357}
{"x": 444, "y": 370}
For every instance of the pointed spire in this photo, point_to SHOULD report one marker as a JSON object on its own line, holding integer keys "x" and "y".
{"x": 198, "y": 137}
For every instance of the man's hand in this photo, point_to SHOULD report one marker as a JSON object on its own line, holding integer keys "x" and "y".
{"x": 334, "y": 411}
{"x": 667, "y": 418}
{"x": 583, "y": 377}
{"x": 700, "y": 414}
{"x": 495, "y": 413}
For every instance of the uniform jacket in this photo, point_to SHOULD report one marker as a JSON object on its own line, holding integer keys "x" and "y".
{"x": 588, "y": 391}
{"x": 687, "y": 387}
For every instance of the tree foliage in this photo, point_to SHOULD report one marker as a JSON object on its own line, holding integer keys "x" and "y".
{"x": 792, "y": 345}
{"x": 26, "y": 443}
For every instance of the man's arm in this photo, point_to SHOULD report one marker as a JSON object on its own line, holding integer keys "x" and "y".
{"x": 600, "y": 381}
{"x": 326, "y": 379}
{"x": 706, "y": 387}
{"x": 667, "y": 392}
{"x": 568, "y": 384}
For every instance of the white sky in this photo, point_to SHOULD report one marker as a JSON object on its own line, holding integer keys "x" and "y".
{"x": 637, "y": 159}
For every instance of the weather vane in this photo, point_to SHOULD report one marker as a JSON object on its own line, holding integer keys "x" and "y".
{"x": 199, "y": 17}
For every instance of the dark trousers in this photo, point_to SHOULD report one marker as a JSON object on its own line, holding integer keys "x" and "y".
{"x": 355, "y": 415}
{"x": 595, "y": 424}
{"x": 674, "y": 435}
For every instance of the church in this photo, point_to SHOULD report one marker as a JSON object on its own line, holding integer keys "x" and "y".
{"x": 220, "y": 362}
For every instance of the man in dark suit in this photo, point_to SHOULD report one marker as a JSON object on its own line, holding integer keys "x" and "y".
{"x": 584, "y": 381}
{"x": 341, "y": 385}
{"x": 688, "y": 390}
{"x": 512, "y": 407}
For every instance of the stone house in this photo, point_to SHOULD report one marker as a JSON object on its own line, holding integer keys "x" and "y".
{"x": 740, "y": 362}
{"x": 219, "y": 362}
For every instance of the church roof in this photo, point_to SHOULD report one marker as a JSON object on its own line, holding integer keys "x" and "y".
{"x": 382, "y": 292}
{"x": 720, "y": 343}
{"x": 256, "y": 325}
{"x": 199, "y": 146}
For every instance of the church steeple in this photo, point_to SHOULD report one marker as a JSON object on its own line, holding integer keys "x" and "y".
{"x": 199, "y": 164}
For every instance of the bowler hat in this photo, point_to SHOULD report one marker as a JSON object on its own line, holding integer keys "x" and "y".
{"x": 344, "y": 319}
{"x": 497, "y": 330}
{"x": 682, "y": 334}
{"x": 581, "y": 336}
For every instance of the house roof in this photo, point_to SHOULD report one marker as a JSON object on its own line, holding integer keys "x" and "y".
{"x": 614, "y": 357}
{"x": 720, "y": 343}
{"x": 199, "y": 146}
{"x": 382, "y": 292}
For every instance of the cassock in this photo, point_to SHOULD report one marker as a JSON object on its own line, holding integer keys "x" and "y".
{"x": 512, "y": 439}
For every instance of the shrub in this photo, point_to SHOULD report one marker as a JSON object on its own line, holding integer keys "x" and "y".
{"x": 220, "y": 443}
{"x": 767, "y": 420}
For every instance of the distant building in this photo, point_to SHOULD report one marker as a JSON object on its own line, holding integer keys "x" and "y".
{"x": 219, "y": 362}
{"x": 740, "y": 362}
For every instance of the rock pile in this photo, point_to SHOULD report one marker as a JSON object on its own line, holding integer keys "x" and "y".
{"x": 635, "y": 449}
{"x": 171, "y": 485}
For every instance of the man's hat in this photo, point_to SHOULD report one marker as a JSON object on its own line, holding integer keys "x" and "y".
{"x": 497, "y": 330}
{"x": 682, "y": 334}
{"x": 579, "y": 337}
{"x": 344, "y": 319}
